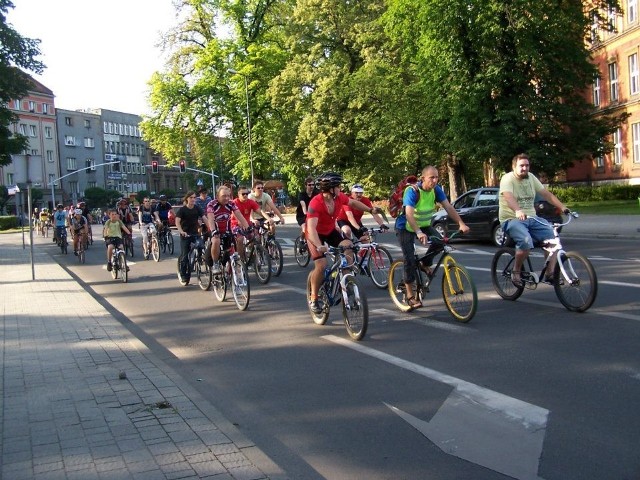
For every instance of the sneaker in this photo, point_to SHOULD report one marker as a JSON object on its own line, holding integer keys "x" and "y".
{"x": 75, "y": 252}
{"x": 109, "y": 267}
{"x": 216, "y": 268}
{"x": 128, "y": 268}
{"x": 181, "y": 279}
{"x": 314, "y": 306}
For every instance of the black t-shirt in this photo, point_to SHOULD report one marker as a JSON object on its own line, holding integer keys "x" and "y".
{"x": 304, "y": 197}
{"x": 163, "y": 210}
{"x": 189, "y": 218}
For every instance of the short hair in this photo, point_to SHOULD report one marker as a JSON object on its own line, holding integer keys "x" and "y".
{"x": 113, "y": 210}
{"x": 310, "y": 180}
{"x": 257, "y": 182}
{"x": 520, "y": 156}
{"x": 220, "y": 188}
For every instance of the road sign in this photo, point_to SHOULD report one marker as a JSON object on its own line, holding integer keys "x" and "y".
{"x": 199, "y": 183}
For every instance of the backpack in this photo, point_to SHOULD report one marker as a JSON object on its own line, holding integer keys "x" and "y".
{"x": 395, "y": 200}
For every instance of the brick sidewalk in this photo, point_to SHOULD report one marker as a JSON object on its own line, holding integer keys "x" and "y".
{"x": 83, "y": 398}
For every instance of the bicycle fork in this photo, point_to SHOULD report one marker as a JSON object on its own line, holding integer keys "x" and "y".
{"x": 345, "y": 293}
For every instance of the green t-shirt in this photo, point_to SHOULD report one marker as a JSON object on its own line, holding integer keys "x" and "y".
{"x": 523, "y": 190}
{"x": 113, "y": 229}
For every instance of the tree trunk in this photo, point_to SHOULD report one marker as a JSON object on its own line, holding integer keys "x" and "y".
{"x": 457, "y": 181}
{"x": 490, "y": 176}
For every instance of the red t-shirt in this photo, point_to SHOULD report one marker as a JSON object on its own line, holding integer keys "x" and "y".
{"x": 357, "y": 214}
{"x": 318, "y": 209}
{"x": 222, "y": 214}
{"x": 245, "y": 208}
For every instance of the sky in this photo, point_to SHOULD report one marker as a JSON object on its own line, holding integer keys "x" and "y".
{"x": 99, "y": 54}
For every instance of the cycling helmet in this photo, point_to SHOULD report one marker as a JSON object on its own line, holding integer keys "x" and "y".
{"x": 59, "y": 205}
{"x": 357, "y": 188}
{"x": 123, "y": 200}
{"x": 328, "y": 180}
{"x": 77, "y": 211}
{"x": 163, "y": 197}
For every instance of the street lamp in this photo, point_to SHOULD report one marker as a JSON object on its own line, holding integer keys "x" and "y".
{"x": 246, "y": 92}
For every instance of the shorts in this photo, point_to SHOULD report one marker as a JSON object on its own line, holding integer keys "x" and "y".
{"x": 115, "y": 241}
{"x": 357, "y": 232}
{"x": 526, "y": 233}
{"x": 333, "y": 239}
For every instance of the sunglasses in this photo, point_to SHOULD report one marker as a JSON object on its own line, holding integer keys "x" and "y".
{"x": 259, "y": 188}
{"x": 310, "y": 184}
{"x": 244, "y": 194}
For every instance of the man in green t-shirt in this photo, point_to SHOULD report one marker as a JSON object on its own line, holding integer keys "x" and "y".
{"x": 112, "y": 233}
{"x": 518, "y": 190}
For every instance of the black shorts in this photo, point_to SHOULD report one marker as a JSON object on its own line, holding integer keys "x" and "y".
{"x": 115, "y": 241}
{"x": 357, "y": 232}
{"x": 333, "y": 239}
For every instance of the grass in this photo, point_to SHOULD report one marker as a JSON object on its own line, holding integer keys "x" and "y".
{"x": 614, "y": 207}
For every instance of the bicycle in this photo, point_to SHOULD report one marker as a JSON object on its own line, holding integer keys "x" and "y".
{"x": 127, "y": 241}
{"x": 271, "y": 245}
{"x": 257, "y": 257}
{"x": 119, "y": 264}
{"x": 61, "y": 239}
{"x": 574, "y": 278}
{"x": 301, "y": 250}
{"x": 166, "y": 238}
{"x": 234, "y": 273}
{"x": 153, "y": 247}
{"x": 197, "y": 263}
{"x": 340, "y": 285}
{"x": 374, "y": 260}
{"x": 458, "y": 290}
{"x": 81, "y": 247}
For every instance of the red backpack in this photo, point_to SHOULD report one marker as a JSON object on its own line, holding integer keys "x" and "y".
{"x": 395, "y": 200}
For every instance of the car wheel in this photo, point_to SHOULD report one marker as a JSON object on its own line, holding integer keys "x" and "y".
{"x": 441, "y": 229}
{"x": 497, "y": 235}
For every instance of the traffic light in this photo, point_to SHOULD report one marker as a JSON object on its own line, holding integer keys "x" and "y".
{"x": 154, "y": 166}
{"x": 183, "y": 166}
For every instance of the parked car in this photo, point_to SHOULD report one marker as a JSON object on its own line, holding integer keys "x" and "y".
{"x": 478, "y": 208}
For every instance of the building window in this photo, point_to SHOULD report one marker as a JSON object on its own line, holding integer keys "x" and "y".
{"x": 52, "y": 179}
{"x": 633, "y": 74}
{"x": 91, "y": 164}
{"x": 105, "y": 127}
{"x": 50, "y": 156}
{"x": 32, "y": 106}
{"x": 45, "y": 108}
{"x": 73, "y": 187}
{"x": 616, "y": 154}
{"x": 92, "y": 184}
{"x": 68, "y": 122}
{"x": 48, "y": 132}
{"x": 35, "y": 152}
{"x": 70, "y": 140}
{"x": 87, "y": 123}
{"x": 599, "y": 162}
{"x": 71, "y": 163}
{"x": 635, "y": 133}
{"x": 23, "y": 129}
{"x": 10, "y": 179}
{"x": 632, "y": 11}
{"x": 88, "y": 142}
{"x": 33, "y": 131}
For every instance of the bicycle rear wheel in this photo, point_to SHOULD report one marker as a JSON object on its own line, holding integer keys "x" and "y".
{"x": 240, "y": 284}
{"x": 261, "y": 264}
{"x": 275, "y": 253}
{"x": 501, "y": 267}
{"x": 155, "y": 248}
{"x": 322, "y": 317}
{"x": 122, "y": 266}
{"x": 355, "y": 311}
{"x": 219, "y": 285}
{"x": 63, "y": 244}
{"x": 301, "y": 251}
{"x": 378, "y": 265}
{"x": 163, "y": 242}
{"x": 170, "y": 242}
{"x": 459, "y": 292}
{"x": 396, "y": 287}
{"x": 204, "y": 273}
{"x": 577, "y": 292}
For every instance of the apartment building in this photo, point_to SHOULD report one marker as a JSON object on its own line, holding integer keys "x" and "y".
{"x": 617, "y": 90}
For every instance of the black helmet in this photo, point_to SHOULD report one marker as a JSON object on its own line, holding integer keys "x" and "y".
{"x": 329, "y": 180}
{"x": 59, "y": 205}
{"x": 163, "y": 197}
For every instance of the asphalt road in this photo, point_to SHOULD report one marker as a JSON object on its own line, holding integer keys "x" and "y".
{"x": 525, "y": 390}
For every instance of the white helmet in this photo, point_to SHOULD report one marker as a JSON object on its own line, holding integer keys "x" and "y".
{"x": 77, "y": 211}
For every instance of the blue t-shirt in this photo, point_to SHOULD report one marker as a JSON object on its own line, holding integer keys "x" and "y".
{"x": 60, "y": 218}
{"x": 410, "y": 199}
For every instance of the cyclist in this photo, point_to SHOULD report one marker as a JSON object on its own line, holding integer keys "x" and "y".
{"x": 219, "y": 214}
{"x": 203, "y": 199}
{"x": 112, "y": 234}
{"x": 516, "y": 204}
{"x": 145, "y": 218}
{"x": 86, "y": 213}
{"x": 161, "y": 212}
{"x": 44, "y": 218}
{"x": 266, "y": 204}
{"x": 188, "y": 218}
{"x": 60, "y": 219}
{"x": 304, "y": 198}
{"x": 79, "y": 227}
{"x": 419, "y": 204}
{"x": 247, "y": 207}
{"x": 321, "y": 227}
{"x": 350, "y": 220}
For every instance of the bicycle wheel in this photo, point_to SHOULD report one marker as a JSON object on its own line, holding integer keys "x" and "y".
{"x": 378, "y": 265}
{"x": 219, "y": 284}
{"x": 261, "y": 264}
{"x": 501, "y": 267}
{"x": 163, "y": 242}
{"x": 170, "y": 242}
{"x": 155, "y": 248}
{"x": 204, "y": 273}
{"x": 63, "y": 245}
{"x": 114, "y": 266}
{"x": 355, "y": 310}
{"x": 578, "y": 290}
{"x": 275, "y": 253}
{"x": 122, "y": 266}
{"x": 130, "y": 245}
{"x": 301, "y": 251}
{"x": 322, "y": 317}
{"x": 81, "y": 255}
{"x": 459, "y": 292}
{"x": 240, "y": 284}
{"x": 396, "y": 287}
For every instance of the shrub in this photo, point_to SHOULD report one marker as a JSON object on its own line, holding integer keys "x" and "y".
{"x": 7, "y": 222}
{"x": 596, "y": 193}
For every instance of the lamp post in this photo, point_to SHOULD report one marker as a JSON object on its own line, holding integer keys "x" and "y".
{"x": 246, "y": 92}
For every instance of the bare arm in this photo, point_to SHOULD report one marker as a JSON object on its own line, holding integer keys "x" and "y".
{"x": 454, "y": 215}
{"x": 552, "y": 199}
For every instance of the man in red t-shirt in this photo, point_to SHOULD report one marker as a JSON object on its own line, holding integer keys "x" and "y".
{"x": 322, "y": 213}
{"x": 350, "y": 219}
{"x": 245, "y": 206}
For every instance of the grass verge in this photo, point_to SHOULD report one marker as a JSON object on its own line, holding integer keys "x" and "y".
{"x": 613, "y": 207}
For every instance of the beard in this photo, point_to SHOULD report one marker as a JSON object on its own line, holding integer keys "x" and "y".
{"x": 522, "y": 175}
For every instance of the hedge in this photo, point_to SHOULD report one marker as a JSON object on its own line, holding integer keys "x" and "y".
{"x": 7, "y": 222}
{"x": 596, "y": 193}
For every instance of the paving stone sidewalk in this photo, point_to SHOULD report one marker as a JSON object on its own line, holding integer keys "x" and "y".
{"x": 82, "y": 398}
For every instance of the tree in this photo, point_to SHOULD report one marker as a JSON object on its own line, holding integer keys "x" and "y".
{"x": 16, "y": 52}
{"x": 140, "y": 196}
{"x": 4, "y": 198}
{"x": 97, "y": 197}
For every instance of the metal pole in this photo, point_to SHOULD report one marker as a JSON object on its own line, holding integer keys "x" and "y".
{"x": 33, "y": 270}
{"x": 213, "y": 183}
{"x": 53, "y": 196}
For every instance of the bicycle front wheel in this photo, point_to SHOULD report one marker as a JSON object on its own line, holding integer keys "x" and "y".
{"x": 301, "y": 251}
{"x": 122, "y": 266}
{"x": 275, "y": 253}
{"x": 170, "y": 242}
{"x": 396, "y": 287}
{"x": 354, "y": 309}
{"x": 240, "y": 284}
{"x": 379, "y": 262}
{"x": 459, "y": 292}
{"x": 204, "y": 273}
{"x": 578, "y": 290}
{"x": 261, "y": 264}
{"x": 501, "y": 267}
{"x": 219, "y": 285}
{"x": 322, "y": 317}
{"x": 163, "y": 242}
{"x": 155, "y": 248}
{"x": 81, "y": 255}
